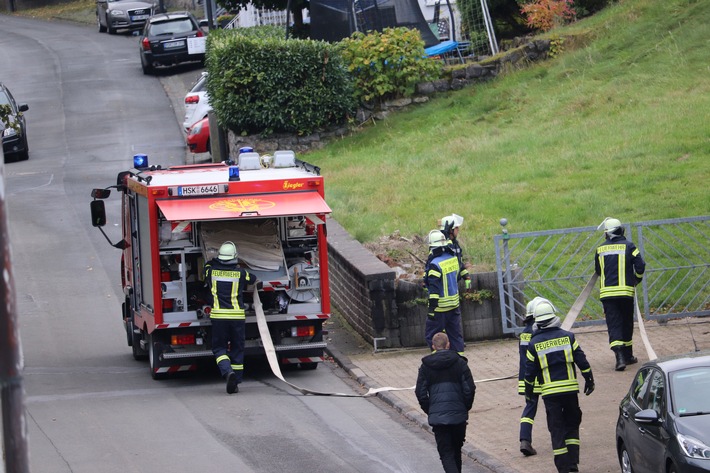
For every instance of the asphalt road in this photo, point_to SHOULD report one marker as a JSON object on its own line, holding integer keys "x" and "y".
{"x": 90, "y": 406}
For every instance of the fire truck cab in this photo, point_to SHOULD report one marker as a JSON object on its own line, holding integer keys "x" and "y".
{"x": 174, "y": 220}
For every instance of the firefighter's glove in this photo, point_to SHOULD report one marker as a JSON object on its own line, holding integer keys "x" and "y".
{"x": 467, "y": 283}
{"x": 588, "y": 383}
{"x": 433, "y": 304}
{"x": 529, "y": 394}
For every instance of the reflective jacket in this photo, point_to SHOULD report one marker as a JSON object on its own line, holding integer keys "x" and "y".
{"x": 620, "y": 267}
{"x": 525, "y": 337}
{"x": 456, "y": 250}
{"x": 226, "y": 284}
{"x": 551, "y": 358}
{"x": 442, "y": 274}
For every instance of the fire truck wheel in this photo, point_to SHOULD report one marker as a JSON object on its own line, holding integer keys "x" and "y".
{"x": 155, "y": 349}
{"x": 128, "y": 323}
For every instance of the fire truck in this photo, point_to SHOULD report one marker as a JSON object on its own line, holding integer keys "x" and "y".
{"x": 174, "y": 219}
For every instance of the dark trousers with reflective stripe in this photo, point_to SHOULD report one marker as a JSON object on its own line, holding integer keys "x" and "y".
{"x": 448, "y": 322}
{"x": 449, "y": 441}
{"x": 528, "y": 417}
{"x": 228, "y": 346}
{"x": 563, "y": 419}
{"x": 619, "y": 313}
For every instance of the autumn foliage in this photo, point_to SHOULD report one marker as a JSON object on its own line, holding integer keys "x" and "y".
{"x": 546, "y": 14}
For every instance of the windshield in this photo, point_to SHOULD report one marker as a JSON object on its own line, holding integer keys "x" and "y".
{"x": 690, "y": 390}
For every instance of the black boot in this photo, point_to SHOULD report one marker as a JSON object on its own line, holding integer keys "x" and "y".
{"x": 629, "y": 356}
{"x": 620, "y": 363}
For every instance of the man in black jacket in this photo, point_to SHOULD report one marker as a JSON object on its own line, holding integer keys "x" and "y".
{"x": 445, "y": 391}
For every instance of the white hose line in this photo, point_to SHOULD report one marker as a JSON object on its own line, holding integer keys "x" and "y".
{"x": 579, "y": 303}
{"x": 642, "y": 328}
{"x": 274, "y": 363}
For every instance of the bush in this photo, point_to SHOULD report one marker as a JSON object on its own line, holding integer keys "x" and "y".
{"x": 388, "y": 64}
{"x": 260, "y": 83}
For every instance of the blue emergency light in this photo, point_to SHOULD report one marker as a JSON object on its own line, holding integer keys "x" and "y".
{"x": 233, "y": 173}
{"x": 246, "y": 149}
{"x": 140, "y": 161}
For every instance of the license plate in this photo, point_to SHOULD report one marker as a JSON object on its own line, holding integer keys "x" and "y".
{"x": 139, "y": 17}
{"x": 198, "y": 190}
{"x": 173, "y": 44}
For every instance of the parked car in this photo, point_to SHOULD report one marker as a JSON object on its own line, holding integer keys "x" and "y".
{"x": 13, "y": 127}
{"x": 169, "y": 39}
{"x": 197, "y": 103}
{"x": 664, "y": 420}
{"x": 198, "y": 137}
{"x": 113, "y": 15}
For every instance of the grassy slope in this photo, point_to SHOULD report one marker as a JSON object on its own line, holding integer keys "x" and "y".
{"x": 620, "y": 128}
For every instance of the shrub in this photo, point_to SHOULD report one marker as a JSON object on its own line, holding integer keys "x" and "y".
{"x": 546, "y": 14}
{"x": 260, "y": 83}
{"x": 388, "y": 64}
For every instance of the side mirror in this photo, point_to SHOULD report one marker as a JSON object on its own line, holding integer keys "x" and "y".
{"x": 98, "y": 213}
{"x": 100, "y": 193}
{"x": 647, "y": 416}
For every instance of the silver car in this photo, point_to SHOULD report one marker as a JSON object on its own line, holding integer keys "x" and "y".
{"x": 113, "y": 15}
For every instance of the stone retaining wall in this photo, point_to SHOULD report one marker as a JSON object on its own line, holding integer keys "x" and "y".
{"x": 365, "y": 291}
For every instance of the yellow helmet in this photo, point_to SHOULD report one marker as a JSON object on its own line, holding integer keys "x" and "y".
{"x": 611, "y": 225}
{"x": 544, "y": 311}
{"x": 450, "y": 222}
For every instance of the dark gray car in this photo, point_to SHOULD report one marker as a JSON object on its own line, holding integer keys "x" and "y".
{"x": 664, "y": 420}
{"x": 12, "y": 126}
{"x": 169, "y": 39}
{"x": 113, "y": 15}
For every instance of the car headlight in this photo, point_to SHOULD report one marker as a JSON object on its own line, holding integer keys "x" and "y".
{"x": 693, "y": 447}
{"x": 118, "y": 13}
{"x": 9, "y": 131}
{"x": 196, "y": 128}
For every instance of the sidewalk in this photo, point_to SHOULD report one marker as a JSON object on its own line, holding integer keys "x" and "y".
{"x": 492, "y": 437}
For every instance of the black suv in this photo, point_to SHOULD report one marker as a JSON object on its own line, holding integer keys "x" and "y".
{"x": 12, "y": 126}
{"x": 171, "y": 38}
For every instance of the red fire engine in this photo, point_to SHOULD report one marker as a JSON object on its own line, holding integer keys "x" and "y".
{"x": 175, "y": 219}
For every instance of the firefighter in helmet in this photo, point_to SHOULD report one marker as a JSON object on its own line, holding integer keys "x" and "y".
{"x": 551, "y": 358}
{"x": 530, "y": 410}
{"x": 620, "y": 267}
{"x": 451, "y": 226}
{"x": 441, "y": 278}
{"x": 226, "y": 283}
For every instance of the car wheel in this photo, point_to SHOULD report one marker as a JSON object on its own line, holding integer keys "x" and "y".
{"x": 102, "y": 28}
{"x": 672, "y": 468}
{"x": 147, "y": 68}
{"x": 625, "y": 460}
{"x": 111, "y": 29}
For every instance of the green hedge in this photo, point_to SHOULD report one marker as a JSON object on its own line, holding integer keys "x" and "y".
{"x": 262, "y": 83}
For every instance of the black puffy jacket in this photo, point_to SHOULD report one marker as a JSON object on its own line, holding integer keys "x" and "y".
{"x": 445, "y": 388}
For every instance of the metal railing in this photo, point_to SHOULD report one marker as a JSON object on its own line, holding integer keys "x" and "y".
{"x": 557, "y": 264}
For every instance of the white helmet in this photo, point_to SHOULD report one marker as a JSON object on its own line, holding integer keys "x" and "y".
{"x": 544, "y": 311}
{"x": 227, "y": 252}
{"x": 436, "y": 239}
{"x": 610, "y": 226}
{"x": 450, "y": 222}
{"x": 530, "y": 309}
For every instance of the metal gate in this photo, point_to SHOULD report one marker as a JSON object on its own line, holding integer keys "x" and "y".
{"x": 557, "y": 264}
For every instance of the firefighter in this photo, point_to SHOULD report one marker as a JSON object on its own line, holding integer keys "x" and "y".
{"x": 451, "y": 226}
{"x": 226, "y": 283}
{"x": 551, "y": 358}
{"x": 530, "y": 410}
{"x": 441, "y": 278}
{"x": 620, "y": 267}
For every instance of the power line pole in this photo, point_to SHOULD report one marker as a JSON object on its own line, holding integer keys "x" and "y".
{"x": 14, "y": 425}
